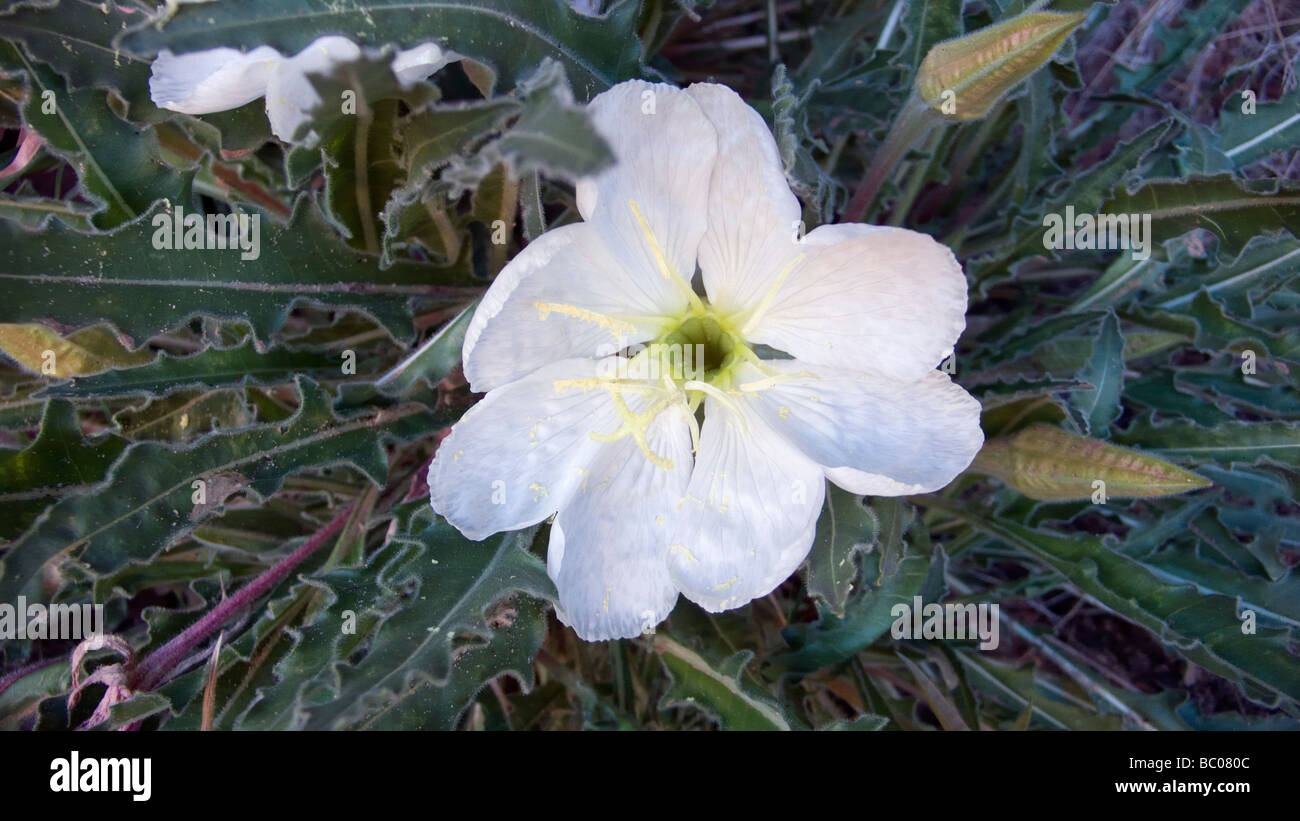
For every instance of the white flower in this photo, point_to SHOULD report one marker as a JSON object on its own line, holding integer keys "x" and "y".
{"x": 648, "y": 502}
{"x": 201, "y": 82}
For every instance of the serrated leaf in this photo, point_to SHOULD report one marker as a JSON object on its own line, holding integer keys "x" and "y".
{"x": 209, "y": 368}
{"x": 119, "y": 165}
{"x": 147, "y": 500}
{"x": 509, "y": 36}
{"x": 892, "y": 574}
{"x": 88, "y": 351}
{"x": 434, "y": 360}
{"x": 1246, "y": 443}
{"x": 75, "y": 38}
{"x": 58, "y": 461}
{"x": 120, "y": 277}
{"x": 1205, "y": 628}
{"x": 1094, "y": 409}
{"x": 1236, "y": 212}
{"x": 845, "y": 528}
{"x": 421, "y": 600}
{"x": 717, "y": 690}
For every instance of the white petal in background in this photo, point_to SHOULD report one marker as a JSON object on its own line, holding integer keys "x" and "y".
{"x": 218, "y": 79}
{"x": 608, "y": 544}
{"x": 875, "y": 434}
{"x": 201, "y": 82}
{"x": 750, "y": 511}
{"x": 867, "y": 297}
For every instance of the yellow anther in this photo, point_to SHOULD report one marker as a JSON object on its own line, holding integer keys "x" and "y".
{"x": 636, "y": 425}
{"x": 617, "y": 327}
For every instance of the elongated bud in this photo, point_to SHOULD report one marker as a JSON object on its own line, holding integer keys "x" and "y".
{"x": 963, "y": 78}
{"x": 1046, "y": 463}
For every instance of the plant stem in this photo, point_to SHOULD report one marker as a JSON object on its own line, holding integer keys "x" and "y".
{"x": 914, "y": 121}
{"x": 151, "y": 672}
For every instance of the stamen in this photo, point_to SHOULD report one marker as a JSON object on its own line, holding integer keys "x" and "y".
{"x": 721, "y": 397}
{"x": 636, "y": 425}
{"x": 617, "y": 327}
{"x": 661, "y": 260}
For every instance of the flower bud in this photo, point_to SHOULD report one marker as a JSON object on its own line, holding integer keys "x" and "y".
{"x": 962, "y": 78}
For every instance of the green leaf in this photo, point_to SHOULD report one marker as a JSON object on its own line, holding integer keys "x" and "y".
{"x": 122, "y": 278}
{"x": 119, "y": 165}
{"x": 75, "y": 38}
{"x": 210, "y": 368}
{"x": 1093, "y": 410}
{"x": 551, "y": 135}
{"x": 57, "y": 462}
{"x": 928, "y": 22}
{"x": 1247, "y": 443}
{"x": 510, "y": 36}
{"x": 845, "y": 528}
{"x": 509, "y": 652}
{"x": 1271, "y": 127}
{"x": 435, "y": 359}
{"x": 717, "y": 689}
{"x": 418, "y": 605}
{"x": 1025, "y": 689}
{"x": 147, "y": 500}
{"x": 1236, "y": 212}
{"x": 1204, "y": 628}
{"x": 893, "y": 574}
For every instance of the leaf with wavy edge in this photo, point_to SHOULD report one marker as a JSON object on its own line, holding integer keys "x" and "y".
{"x": 119, "y": 277}
{"x": 510, "y": 36}
{"x": 1203, "y": 627}
{"x": 146, "y": 502}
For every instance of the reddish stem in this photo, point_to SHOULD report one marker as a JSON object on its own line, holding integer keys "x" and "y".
{"x": 154, "y": 669}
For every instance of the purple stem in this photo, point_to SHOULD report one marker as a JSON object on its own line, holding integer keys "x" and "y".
{"x": 153, "y": 670}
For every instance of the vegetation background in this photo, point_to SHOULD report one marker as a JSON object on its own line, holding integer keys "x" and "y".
{"x": 1168, "y": 612}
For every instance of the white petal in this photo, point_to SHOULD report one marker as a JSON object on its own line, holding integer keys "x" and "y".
{"x": 867, "y": 297}
{"x": 415, "y": 64}
{"x": 664, "y": 149}
{"x": 749, "y": 514}
{"x": 753, "y": 215}
{"x": 874, "y": 434}
{"x": 520, "y": 453}
{"x": 201, "y": 82}
{"x": 565, "y": 295}
{"x": 609, "y": 541}
{"x": 290, "y": 94}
